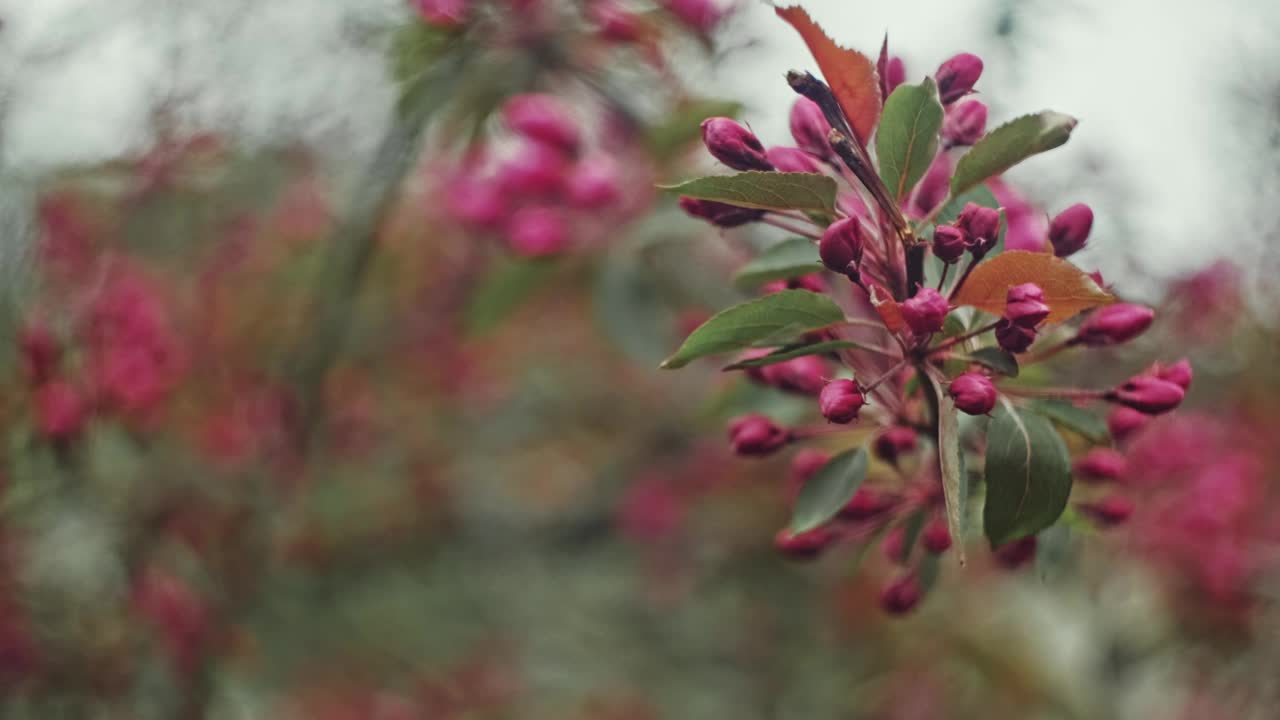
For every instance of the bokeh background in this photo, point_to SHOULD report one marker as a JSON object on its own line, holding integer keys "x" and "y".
{"x": 436, "y": 480}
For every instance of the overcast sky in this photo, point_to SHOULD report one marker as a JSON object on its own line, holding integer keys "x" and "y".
{"x": 1150, "y": 81}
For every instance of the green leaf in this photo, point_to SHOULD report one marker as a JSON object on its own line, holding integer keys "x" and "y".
{"x": 1053, "y": 551}
{"x": 999, "y": 360}
{"x": 1063, "y": 413}
{"x": 790, "y": 258}
{"x": 684, "y": 125}
{"x": 503, "y": 288}
{"x": 955, "y": 480}
{"x": 764, "y": 190}
{"x": 907, "y": 138}
{"x": 789, "y": 312}
{"x": 1028, "y": 476}
{"x": 793, "y": 351}
{"x": 829, "y": 490}
{"x": 1009, "y": 145}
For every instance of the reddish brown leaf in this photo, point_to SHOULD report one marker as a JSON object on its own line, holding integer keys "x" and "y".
{"x": 851, "y": 75}
{"x": 1067, "y": 289}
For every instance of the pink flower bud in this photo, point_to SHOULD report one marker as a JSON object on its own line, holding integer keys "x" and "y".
{"x": 937, "y": 537}
{"x": 902, "y": 595}
{"x": 982, "y": 225}
{"x": 1123, "y": 422}
{"x": 868, "y": 503}
{"x": 1101, "y": 464}
{"x": 805, "y": 545}
{"x": 443, "y": 13}
{"x": 1178, "y": 373}
{"x": 616, "y": 23}
{"x": 536, "y": 170}
{"x": 1115, "y": 324}
{"x": 974, "y": 394}
{"x": 756, "y": 435}
{"x": 794, "y": 160}
{"x": 809, "y": 128}
{"x": 544, "y": 118}
{"x": 1109, "y": 511}
{"x": 965, "y": 123}
{"x": 949, "y": 243}
{"x": 895, "y": 73}
{"x": 840, "y": 401}
{"x": 537, "y": 232}
{"x": 593, "y": 184}
{"x": 957, "y": 76}
{"x": 1014, "y": 338}
{"x": 1148, "y": 394}
{"x": 59, "y": 409}
{"x": 1014, "y": 555}
{"x": 41, "y": 352}
{"x": 894, "y": 545}
{"x": 933, "y": 188}
{"x": 804, "y": 375}
{"x": 893, "y": 443}
{"x": 701, "y": 16}
{"x": 475, "y": 202}
{"x": 926, "y": 311}
{"x": 841, "y": 246}
{"x": 1024, "y": 305}
{"x": 734, "y": 145}
{"x": 804, "y": 465}
{"x": 1069, "y": 231}
{"x": 719, "y": 214}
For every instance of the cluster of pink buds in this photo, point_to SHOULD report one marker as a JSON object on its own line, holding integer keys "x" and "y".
{"x": 888, "y": 336}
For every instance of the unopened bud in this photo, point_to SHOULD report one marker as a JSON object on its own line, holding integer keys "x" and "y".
{"x": 805, "y": 545}
{"x": 809, "y": 128}
{"x": 965, "y": 123}
{"x": 544, "y": 118}
{"x": 937, "y": 537}
{"x": 868, "y": 503}
{"x": 1109, "y": 511}
{"x": 1024, "y": 305}
{"x": 893, "y": 443}
{"x": 1115, "y": 324}
{"x": 1069, "y": 230}
{"x": 949, "y": 243}
{"x": 1014, "y": 555}
{"x": 615, "y": 22}
{"x": 59, "y": 409}
{"x": 974, "y": 394}
{"x": 537, "y": 232}
{"x": 957, "y": 76}
{"x": 734, "y": 145}
{"x": 718, "y": 213}
{"x": 841, "y": 246}
{"x": 1014, "y": 338}
{"x": 475, "y": 202}
{"x": 1123, "y": 422}
{"x": 933, "y": 187}
{"x": 1178, "y": 373}
{"x": 793, "y": 160}
{"x": 840, "y": 401}
{"x": 1148, "y": 394}
{"x": 902, "y": 595}
{"x": 926, "y": 311}
{"x": 1101, "y": 465}
{"x": 443, "y": 13}
{"x": 756, "y": 435}
{"x": 895, "y": 73}
{"x": 536, "y": 170}
{"x": 982, "y": 225}
{"x": 701, "y": 16}
{"x": 804, "y": 375}
{"x": 593, "y": 184}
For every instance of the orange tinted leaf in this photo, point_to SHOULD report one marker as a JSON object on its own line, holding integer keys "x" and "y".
{"x": 851, "y": 75}
{"x": 888, "y": 308}
{"x": 1067, "y": 289}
